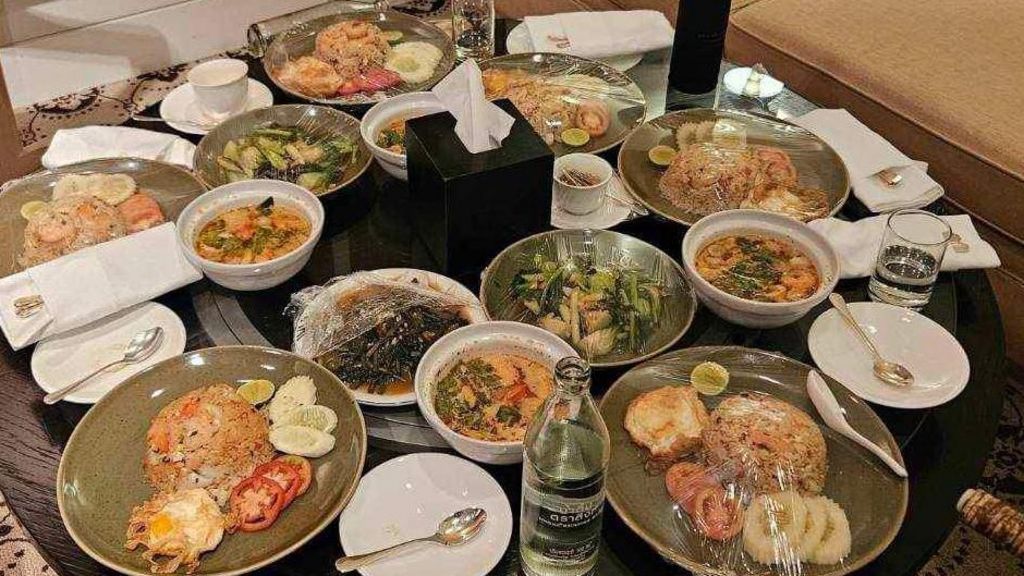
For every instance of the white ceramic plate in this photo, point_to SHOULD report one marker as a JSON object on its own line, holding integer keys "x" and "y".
{"x": 608, "y": 215}
{"x": 59, "y": 361}
{"x": 406, "y": 498}
{"x": 440, "y": 283}
{"x": 932, "y": 354}
{"x": 181, "y": 104}
{"x": 519, "y": 41}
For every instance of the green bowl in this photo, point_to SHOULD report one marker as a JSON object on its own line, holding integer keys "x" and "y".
{"x": 100, "y": 477}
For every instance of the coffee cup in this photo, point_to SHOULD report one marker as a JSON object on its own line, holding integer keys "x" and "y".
{"x": 221, "y": 87}
{"x": 580, "y": 182}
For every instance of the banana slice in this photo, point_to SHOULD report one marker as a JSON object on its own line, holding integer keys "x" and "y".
{"x": 71, "y": 185}
{"x": 817, "y": 521}
{"x": 835, "y": 542}
{"x": 111, "y": 188}
{"x": 301, "y": 441}
{"x": 773, "y": 527}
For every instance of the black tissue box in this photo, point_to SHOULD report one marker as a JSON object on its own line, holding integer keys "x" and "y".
{"x": 468, "y": 207}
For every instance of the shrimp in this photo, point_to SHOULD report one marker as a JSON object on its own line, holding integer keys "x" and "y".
{"x": 53, "y": 230}
{"x": 593, "y": 117}
{"x": 800, "y": 283}
{"x": 776, "y": 165}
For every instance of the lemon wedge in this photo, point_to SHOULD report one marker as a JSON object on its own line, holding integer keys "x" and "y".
{"x": 709, "y": 378}
{"x": 31, "y": 208}
{"x": 256, "y": 392}
{"x": 661, "y": 155}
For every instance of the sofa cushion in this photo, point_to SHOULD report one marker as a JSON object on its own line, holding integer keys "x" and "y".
{"x": 942, "y": 80}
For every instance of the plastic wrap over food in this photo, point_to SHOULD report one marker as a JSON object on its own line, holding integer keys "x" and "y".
{"x": 574, "y": 104}
{"x": 610, "y": 296}
{"x": 372, "y": 328}
{"x": 744, "y": 472}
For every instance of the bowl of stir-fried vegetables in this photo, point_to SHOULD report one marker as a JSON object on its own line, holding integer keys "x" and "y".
{"x": 315, "y": 147}
{"x": 617, "y": 300}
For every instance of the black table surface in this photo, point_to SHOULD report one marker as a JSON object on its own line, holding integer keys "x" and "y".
{"x": 945, "y": 448}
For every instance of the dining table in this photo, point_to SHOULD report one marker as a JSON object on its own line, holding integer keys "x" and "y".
{"x": 367, "y": 227}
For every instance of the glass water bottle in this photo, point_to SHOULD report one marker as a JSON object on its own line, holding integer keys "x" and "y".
{"x": 565, "y": 456}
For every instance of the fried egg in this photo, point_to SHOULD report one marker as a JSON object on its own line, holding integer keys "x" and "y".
{"x": 414, "y": 62}
{"x": 178, "y": 525}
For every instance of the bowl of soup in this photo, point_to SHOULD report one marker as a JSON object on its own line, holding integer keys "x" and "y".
{"x": 383, "y": 128}
{"x": 758, "y": 269}
{"x": 252, "y": 234}
{"x": 481, "y": 385}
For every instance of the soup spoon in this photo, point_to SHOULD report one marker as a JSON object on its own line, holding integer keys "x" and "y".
{"x": 885, "y": 370}
{"x": 141, "y": 346}
{"x": 456, "y": 529}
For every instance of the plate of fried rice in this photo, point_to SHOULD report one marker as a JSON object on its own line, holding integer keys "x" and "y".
{"x": 759, "y": 438}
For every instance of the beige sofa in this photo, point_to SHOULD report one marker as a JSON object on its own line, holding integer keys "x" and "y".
{"x": 941, "y": 81}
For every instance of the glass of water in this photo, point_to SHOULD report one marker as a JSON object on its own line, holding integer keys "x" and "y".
{"x": 473, "y": 28}
{"x": 909, "y": 258}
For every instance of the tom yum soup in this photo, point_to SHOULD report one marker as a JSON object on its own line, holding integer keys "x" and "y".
{"x": 758, "y": 268}
{"x": 252, "y": 234}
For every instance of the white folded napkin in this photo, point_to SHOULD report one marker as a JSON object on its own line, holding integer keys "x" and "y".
{"x": 600, "y": 34}
{"x": 480, "y": 125}
{"x": 866, "y": 154}
{"x": 92, "y": 142}
{"x": 95, "y": 282}
{"x": 857, "y": 244}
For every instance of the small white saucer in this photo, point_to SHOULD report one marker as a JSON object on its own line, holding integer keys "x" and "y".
{"x": 519, "y": 41}
{"x": 609, "y": 214}
{"x": 181, "y": 104}
{"x": 939, "y": 364}
{"x": 735, "y": 81}
{"x": 406, "y": 497}
{"x": 62, "y": 359}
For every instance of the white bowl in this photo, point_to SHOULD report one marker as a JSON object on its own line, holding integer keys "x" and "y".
{"x": 405, "y": 106}
{"x": 751, "y": 313}
{"x": 249, "y": 277}
{"x": 487, "y": 337}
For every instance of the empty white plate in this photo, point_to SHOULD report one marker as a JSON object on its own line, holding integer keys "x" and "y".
{"x": 518, "y": 42}
{"x": 181, "y": 104}
{"x": 932, "y": 354}
{"x": 406, "y": 498}
{"x": 62, "y": 359}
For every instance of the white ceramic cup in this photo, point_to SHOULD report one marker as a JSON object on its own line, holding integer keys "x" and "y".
{"x": 221, "y": 87}
{"x": 581, "y": 200}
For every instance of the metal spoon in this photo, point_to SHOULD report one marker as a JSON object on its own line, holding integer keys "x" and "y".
{"x": 886, "y": 371}
{"x": 201, "y": 125}
{"x": 456, "y": 529}
{"x": 142, "y": 346}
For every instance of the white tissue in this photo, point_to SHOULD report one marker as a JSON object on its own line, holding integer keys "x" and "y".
{"x": 479, "y": 124}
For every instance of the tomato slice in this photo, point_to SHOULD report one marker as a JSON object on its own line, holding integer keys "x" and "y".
{"x": 684, "y": 480}
{"x": 302, "y": 467}
{"x": 717, "y": 514}
{"x": 284, "y": 475}
{"x": 256, "y": 503}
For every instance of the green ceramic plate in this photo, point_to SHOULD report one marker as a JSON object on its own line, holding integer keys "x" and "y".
{"x": 173, "y": 187}
{"x": 874, "y": 498}
{"x": 816, "y": 162}
{"x": 100, "y": 477}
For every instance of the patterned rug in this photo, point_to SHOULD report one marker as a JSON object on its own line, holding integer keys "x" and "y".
{"x": 965, "y": 553}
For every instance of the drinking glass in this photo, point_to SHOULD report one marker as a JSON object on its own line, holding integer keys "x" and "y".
{"x": 473, "y": 28}
{"x": 909, "y": 258}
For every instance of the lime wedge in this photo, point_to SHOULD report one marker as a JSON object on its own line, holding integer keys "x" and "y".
{"x": 709, "y": 378}
{"x": 314, "y": 416}
{"x": 31, "y": 208}
{"x": 661, "y": 155}
{"x": 256, "y": 391}
{"x": 575, "y": 137}
{"x": 392, "y": 36}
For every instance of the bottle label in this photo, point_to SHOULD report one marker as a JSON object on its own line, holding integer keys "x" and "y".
{"x": 572, "y": 526}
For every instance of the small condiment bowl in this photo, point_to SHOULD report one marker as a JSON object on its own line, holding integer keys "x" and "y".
{"x": 581, "y": 200}
{"x": 753, "y": 313}
{"x": 376, "y": 119}
{"x": 467, "y": 342}
{"x": 263, "y": 275}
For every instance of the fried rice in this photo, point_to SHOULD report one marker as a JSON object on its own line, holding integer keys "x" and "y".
{"x": 775, "y": 445}
{"x": 210, "y": 438}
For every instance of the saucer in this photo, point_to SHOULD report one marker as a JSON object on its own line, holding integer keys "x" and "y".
{"x": 939, "y": 364}
{"x": 59, "y": 361}
{"x": 181, "y": 104}
{"x": 735, "y": 81}
{"x": 609, "y": 214}
{"x": 406, "y": 497}
{"x": 518, "y": 42}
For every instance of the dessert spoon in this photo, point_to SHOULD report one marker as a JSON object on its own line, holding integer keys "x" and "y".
{"x": 885, "y": 370}
{"x": 141, "y": 346}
